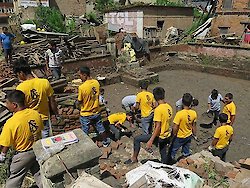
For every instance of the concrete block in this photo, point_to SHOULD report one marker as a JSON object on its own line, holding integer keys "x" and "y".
{"x": 246, "y": 164}
{"x": 133, "y": 65}
{"x": 85, "y": 152}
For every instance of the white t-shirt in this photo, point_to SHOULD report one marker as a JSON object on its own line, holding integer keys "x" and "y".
{"x": 55, "y": 59}
{"x": 215, "y": 104}
{"x": 129, "y": 100}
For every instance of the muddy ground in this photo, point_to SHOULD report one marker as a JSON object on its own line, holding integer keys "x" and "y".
{"x": 177, "y": 82}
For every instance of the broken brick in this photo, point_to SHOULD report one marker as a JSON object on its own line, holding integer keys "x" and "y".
{"x": 114, "y": 145}
{"x": 103, "y": 166}
{"x": 70, "y": 111}
{"x": 190, "y": 161}
{"x": 119, "y": 142}
{"x": 231, "y": 174}
{"x": 76, "y": 112}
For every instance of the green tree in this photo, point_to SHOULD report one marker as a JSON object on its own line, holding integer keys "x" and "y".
{"x": 178, "y": 3}
{"x": 102, "y": 5}
{"x": 50, "y": 17}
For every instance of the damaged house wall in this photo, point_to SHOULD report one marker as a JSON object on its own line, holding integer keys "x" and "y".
{"x": 229, "y": 14}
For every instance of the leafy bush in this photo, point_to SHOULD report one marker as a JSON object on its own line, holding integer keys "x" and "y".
{"x": 179, "y": 3}
{"x": 29, "y": 21}
{"x": 50, "y": 18}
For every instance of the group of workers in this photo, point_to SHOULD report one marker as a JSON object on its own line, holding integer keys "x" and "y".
{"x": 33, "y": 101}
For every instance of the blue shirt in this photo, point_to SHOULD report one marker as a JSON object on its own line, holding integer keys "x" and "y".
{"x": 6, "y": 40}
{"x": 215, "y": 103}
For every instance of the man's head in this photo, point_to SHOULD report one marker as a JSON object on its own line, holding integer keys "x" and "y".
{"x": 228, "y": 98}
{"x": 144, "y": 85}
{"x": 102, "y": 91}
{"x": 21, "y": 69}
{"x": 195, "y": 102}
{"x": 84, "y": 73}
{"x": 52, "y": 45}
{"x": 5, "y": 29}
{"x": 187, "y": 99}
{"x": 15, "y": 100}
{"x": 223, "y": 118}
{"x": 129, "y": 116}
{"x": 159, "y": 93}
{"x": 214, "y": 94}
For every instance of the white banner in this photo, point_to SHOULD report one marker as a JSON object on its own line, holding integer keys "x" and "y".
{"x": 33, "y": 3}
{"x": 131, "y": 22}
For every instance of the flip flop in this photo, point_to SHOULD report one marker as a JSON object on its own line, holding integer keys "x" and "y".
{"x": 129, "y": 161}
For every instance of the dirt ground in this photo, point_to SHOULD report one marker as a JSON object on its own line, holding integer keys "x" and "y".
{"x": 199, "y": 85}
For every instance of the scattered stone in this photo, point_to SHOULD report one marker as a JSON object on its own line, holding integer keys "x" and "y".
{"x": 231, "y": 174}
{"x": 114, "y": 145}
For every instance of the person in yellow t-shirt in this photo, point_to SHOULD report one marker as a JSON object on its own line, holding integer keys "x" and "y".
{"x": 161, "y": 133}
{"x": 116, "y": 122}
{"x": 39, "y": 94}
{"x": 88, "y": 98}
{"x": 20, "y": 132}
{"x": 184, "y": 127}
{"x": 229, "y": 108}
{"x": 222, "y": 138}
{"x": 145, "y": 102}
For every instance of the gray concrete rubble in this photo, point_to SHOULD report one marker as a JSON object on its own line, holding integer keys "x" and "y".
{"x": 76, "y": 157}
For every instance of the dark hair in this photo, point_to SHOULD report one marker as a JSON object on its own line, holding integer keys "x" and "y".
{"x": 187, "y": 99}
{"x": 101, "y": 89}
{"x": 21, "y": 65}
{"x": 129, "y": 114}
{"x": 4, "y": 28}
{"x": 52, "y": 43}
{"x": 85, "y": 70}
{"x": 144, "y": 85}
{"x": 16, "y": 96}
{"x": 159, "y": 93}
{"x": 214, "y": 94}
{"x": 229, "y": 95}
{"x": 195, "y": 102}
{"x": 223, "y": 118}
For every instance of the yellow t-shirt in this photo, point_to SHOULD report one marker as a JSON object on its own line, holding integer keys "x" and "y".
{"x": 185, "y": 119}
{"x": 22, "y": 130}
{"x": 37, "y": 91}
{"x": 117, "y": 117}
{"x": 146, "y": 100}
{"x": 163, "y": 113}
{"x": 88, "y": 94}
{"x": 223, "y": 133}
{"x": 230, "y": 110}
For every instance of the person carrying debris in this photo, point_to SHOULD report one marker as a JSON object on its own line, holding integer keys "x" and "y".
{"x": 184, "y": 128}
{"x": 20, "y": 132}
{"x": 229, "y": 108}
{"x": 6, "y": 39}
{"x": 54, "y": 58}
{"x": 214, "y": 104}
{"x": 88, "y": 98}
{"x": 116, "y": 122}
{"x": 179, "y": 106}
{"x": 161, "y": 132}
{"x": 39, "y": 95}
{"x": 222, "y": 138}
{"x": 146, "y": 103}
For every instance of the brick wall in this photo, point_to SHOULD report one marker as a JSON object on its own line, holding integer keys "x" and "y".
{"x": 70, "y": 7}
{"x": 238, "y": 5}
{"x": 231, "y": 17}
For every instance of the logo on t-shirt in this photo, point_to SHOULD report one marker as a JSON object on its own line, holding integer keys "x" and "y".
{"x": 94, "y": 94}
{"x": 33, "y": 128}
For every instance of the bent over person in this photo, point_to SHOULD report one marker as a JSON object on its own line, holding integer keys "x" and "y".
{"x": 20, "y": 132}
{"x": 39, "y": 94}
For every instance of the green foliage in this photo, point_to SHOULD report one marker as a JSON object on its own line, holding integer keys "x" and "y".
{"x": 70, "y": 25}
{"x": 198, "y": 21}
{"x": 51, "y": 18}
{"x": 91, "y": 16}
{"x": 178, "y": 3}
{"x": 102, "y": 5}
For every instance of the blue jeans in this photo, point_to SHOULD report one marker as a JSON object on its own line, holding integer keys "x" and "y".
{"x": 46, "y": 130}
{"x": 146, "y": 123}
{"x": 56, "y": 72}
{"x": 181, "y": 142}
{"x": 95, "y": 120}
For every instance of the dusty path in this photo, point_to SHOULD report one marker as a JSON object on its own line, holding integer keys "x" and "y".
{"x": 199, "y": 85}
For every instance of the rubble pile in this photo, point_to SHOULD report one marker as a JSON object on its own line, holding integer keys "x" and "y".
{"x": 5, "y": 71}
{"x": 217, "y": 173}
{"x": 77, "y": 48}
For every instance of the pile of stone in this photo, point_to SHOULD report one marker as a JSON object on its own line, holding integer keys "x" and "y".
{"x": 70, "y": 120}
{"x": 217, "y": 173}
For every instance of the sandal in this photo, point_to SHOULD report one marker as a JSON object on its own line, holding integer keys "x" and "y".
{"x": 129, "y": 161}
